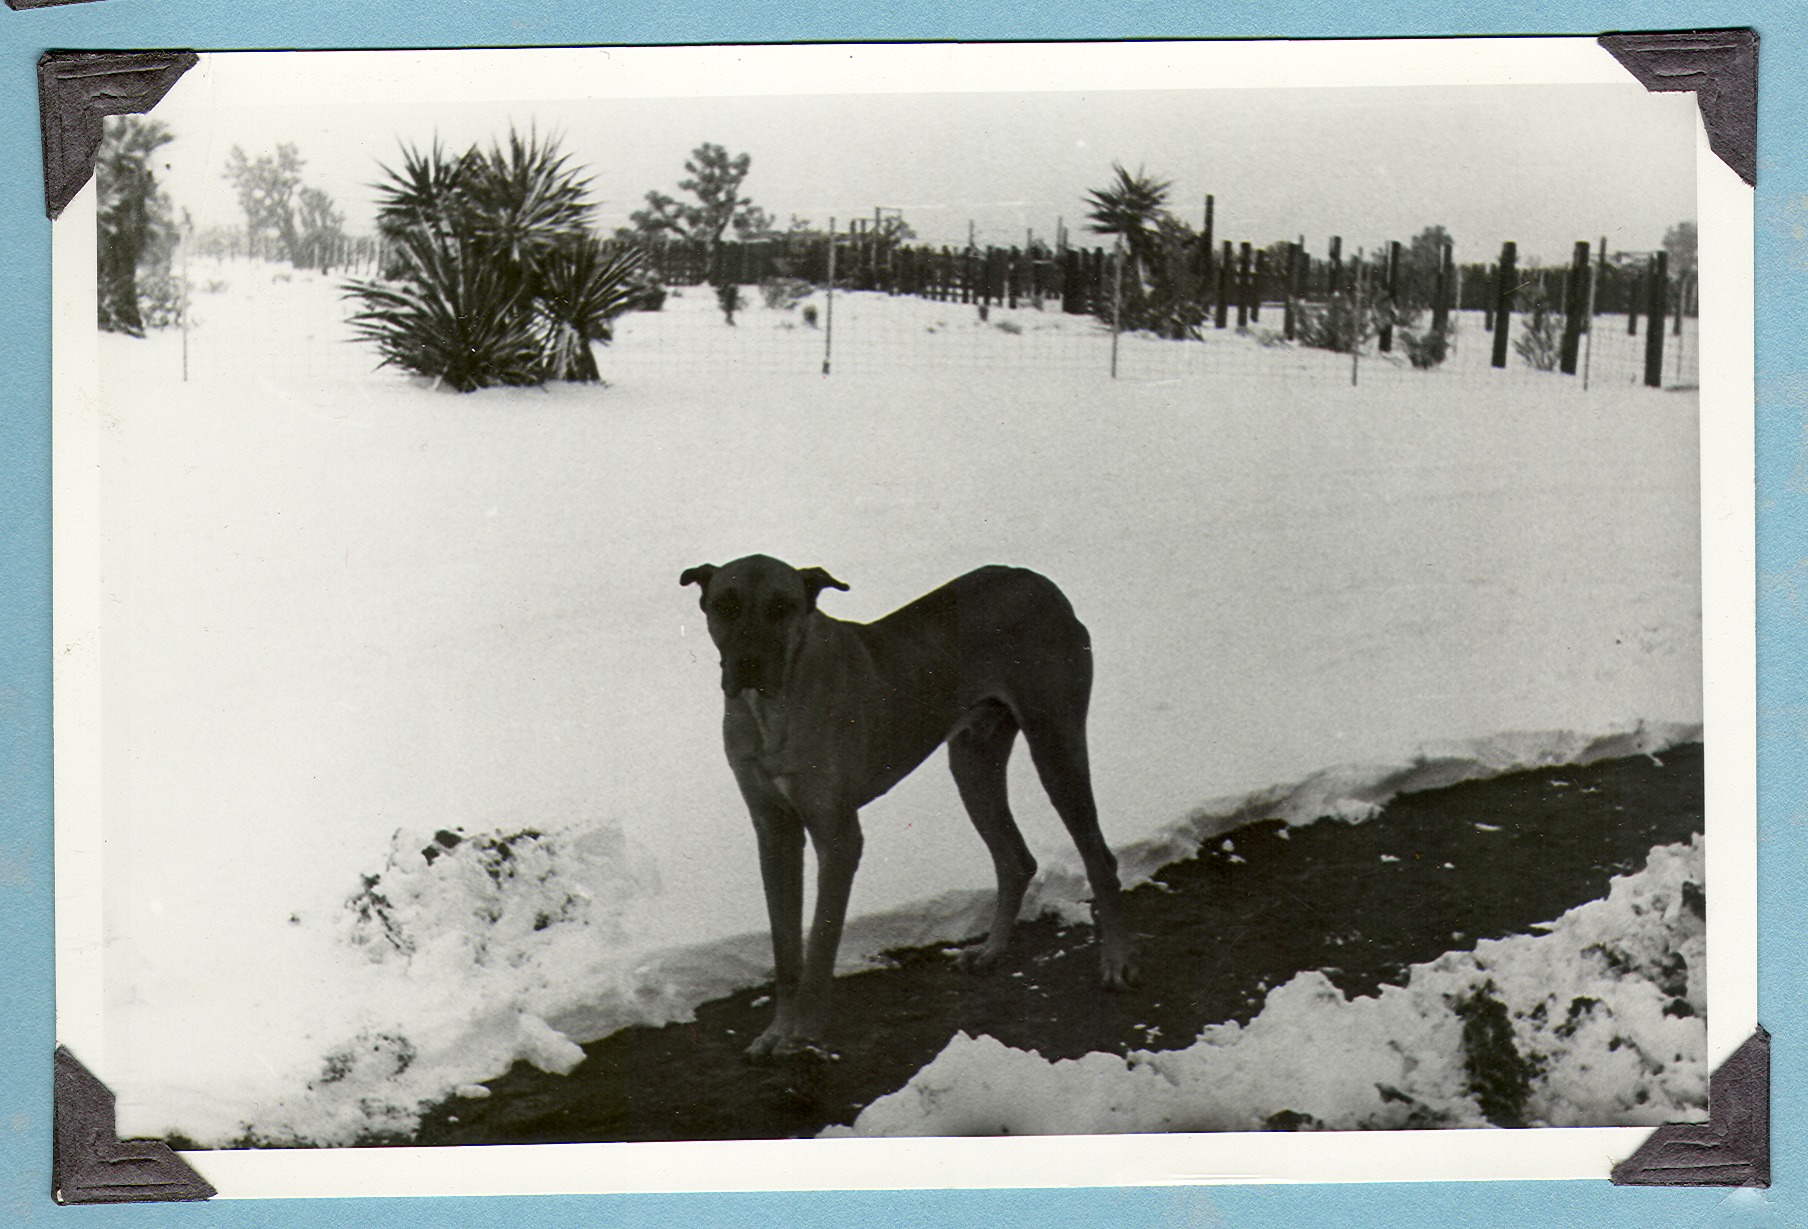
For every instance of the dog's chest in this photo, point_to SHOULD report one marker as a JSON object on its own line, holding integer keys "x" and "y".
{"x": 770, "y": 722}
{"x": 770, "y": 727}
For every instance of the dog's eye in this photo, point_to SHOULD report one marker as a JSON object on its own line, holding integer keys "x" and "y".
{"x": 728, "y": 606}
{"x": 780, "y": 608}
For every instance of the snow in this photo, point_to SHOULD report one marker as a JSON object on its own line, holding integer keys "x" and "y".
{"x": 1606, "y": 1013}
{"x": 346, "y": 612}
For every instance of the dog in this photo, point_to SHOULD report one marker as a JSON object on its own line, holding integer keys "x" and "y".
{"x": 821, "y": 716}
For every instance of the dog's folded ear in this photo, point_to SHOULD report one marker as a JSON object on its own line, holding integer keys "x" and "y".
{"x": 698, "y": 575}
{"x": 816, "y": 580}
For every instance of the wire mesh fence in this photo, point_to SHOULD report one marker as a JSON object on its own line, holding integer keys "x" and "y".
{"x": 251, "y": 316}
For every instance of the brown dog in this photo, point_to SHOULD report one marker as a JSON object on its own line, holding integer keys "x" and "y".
{"x": 822, "y": 716}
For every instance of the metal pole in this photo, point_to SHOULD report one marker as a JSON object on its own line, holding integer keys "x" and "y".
{"x": 828, "y": 324}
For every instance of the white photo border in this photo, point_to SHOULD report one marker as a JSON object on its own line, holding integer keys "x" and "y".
{"x": 1729, "y": 656}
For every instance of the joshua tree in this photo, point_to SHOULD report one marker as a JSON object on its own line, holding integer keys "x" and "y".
{"x": 320, "y": 229}
{"x": 715, "y": 182}
{"x": 267, "y": 188}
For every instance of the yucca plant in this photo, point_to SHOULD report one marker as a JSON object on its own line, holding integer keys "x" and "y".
{"x": 579, "y": 293}
{"x": 492, "y": 276}
{"x": 423, "y": 191}
{"x": 450, "y": 315}
{"x": 523, "y": 203}
{"x": 1132, "y": 208}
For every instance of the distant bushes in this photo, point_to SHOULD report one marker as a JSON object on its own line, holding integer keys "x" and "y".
{"x": 492, "y": 277}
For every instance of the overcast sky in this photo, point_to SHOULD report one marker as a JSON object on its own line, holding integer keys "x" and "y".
{"x": 1542, "y": 165}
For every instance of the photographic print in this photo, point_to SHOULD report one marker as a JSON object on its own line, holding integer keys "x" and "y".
{"x": 693, "y": 595}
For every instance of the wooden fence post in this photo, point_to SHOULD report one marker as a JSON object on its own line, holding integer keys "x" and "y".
{"x": 1245, "y": 288}
{"x": 1503, "y": 300}
{"x": 1576, "y": 308}
{"x": 1657, "y": 296}
{"x": 1440, "y": 295}
{"x": 1632, "y": 304}
{"x": 1336, "y": 282}
{"x": 1223, "y": 305}
{"x": 1070, "y": 283}
{"x": 1289, "y": 325}
{"x": 1386, "y": 343}
{"x": 1205, "y": 246}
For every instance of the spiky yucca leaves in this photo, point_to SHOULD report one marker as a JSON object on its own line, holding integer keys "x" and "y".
{"x": 501, "y": 234}
{"x": 523, "y": 203}
{"x": 579, "y": 295}
{"x": 451, "y": 315}
{"x": 1131, "y": 207}
{"x": 423, "y": 191}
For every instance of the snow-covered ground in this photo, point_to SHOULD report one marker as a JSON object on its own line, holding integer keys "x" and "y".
{"x": 347, "y": 612}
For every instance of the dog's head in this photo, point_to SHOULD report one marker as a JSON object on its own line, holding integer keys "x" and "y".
{"x": 756, "y": 609}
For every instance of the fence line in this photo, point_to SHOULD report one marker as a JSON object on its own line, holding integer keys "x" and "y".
{"x": 1366, "y": 304}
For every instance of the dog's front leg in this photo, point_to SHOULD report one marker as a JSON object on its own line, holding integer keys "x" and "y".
{"x": 781, "y": 841}
{"x": 835, "y": 834}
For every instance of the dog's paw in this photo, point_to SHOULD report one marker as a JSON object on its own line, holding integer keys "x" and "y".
{"x": 766, "y": 1047}
{"x": 1117, "y": 971}
{"x": 977, "y": 961}
{"x": 803, "y": 1050}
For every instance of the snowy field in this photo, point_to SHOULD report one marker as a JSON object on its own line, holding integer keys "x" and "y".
{"x": 347, "y": 612}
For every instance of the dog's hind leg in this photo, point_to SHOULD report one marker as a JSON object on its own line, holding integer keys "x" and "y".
{"x": 978, "y": 754}
{"x": 1058, "y": 747}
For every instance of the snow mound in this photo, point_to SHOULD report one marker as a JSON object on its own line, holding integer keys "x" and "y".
{"x": 1599, "y": 1022}
{"x": 475, "y": 900}
{"x": 470, "y": 942}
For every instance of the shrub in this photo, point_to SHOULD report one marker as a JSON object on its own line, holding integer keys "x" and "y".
{"x": 1161, "y": 285}
{"x": 728, "y": 298}
{"x": 1539, "y": 341}
{"x": 785, "y": 293}
{"x": 648, "y": 295}
{"x": 1333, "y": 325}
{"x": 1426, "y": 350}
{"x": 490, "y": 276}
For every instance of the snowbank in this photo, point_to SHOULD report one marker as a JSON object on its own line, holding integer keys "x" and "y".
{"x": 1598, "y": 1022}
{"x": 486, "y": 949}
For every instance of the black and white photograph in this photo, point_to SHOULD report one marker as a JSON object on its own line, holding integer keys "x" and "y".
{"x": 688, "y": 595}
